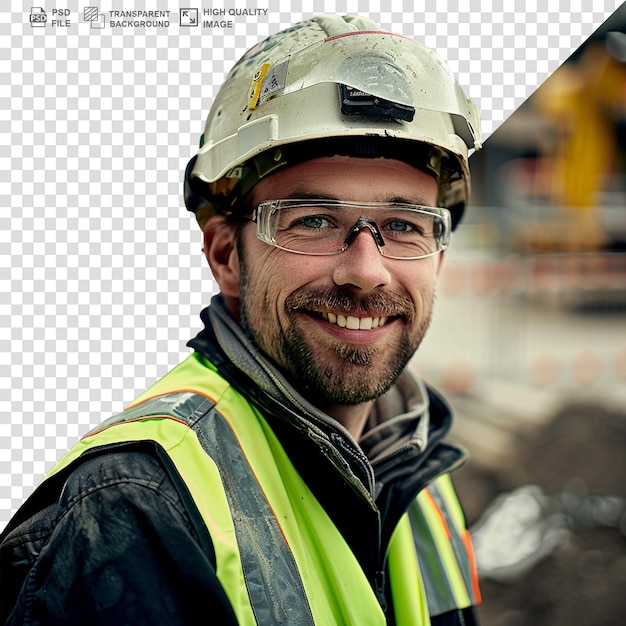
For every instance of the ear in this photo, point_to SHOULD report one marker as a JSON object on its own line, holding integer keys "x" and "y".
{"x": 220, "y": 249}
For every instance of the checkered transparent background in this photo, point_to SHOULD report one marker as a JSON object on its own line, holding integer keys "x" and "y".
{"x": 101, "y": 273}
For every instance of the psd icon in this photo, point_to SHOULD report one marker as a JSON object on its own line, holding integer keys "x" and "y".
{"x": 38, "y": 17}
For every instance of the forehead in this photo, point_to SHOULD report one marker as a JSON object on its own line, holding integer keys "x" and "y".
{"x": 349, "y": 178}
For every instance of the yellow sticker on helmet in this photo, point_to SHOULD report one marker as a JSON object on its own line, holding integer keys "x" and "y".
{"x": 257, "y": 83}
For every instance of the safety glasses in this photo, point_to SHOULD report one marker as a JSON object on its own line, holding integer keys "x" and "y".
{"x": 324, "y": 227}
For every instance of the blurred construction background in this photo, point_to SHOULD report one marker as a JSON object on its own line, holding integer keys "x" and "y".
{"x": 529, "y": 342}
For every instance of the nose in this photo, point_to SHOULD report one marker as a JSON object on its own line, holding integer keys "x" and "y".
{"x": 362, "y": 265}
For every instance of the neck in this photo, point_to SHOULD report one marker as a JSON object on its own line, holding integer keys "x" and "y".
{"x": 352, "y": 417}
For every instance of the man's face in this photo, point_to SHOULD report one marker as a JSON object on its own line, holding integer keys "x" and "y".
{"x": 340, "y": 327}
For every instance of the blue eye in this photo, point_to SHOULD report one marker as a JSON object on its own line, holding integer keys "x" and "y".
{"x": 400, "y": 226}
{"x": 315, "y": 222}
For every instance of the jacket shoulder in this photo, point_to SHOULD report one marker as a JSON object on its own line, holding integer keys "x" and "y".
{"x": 119, "y": 513}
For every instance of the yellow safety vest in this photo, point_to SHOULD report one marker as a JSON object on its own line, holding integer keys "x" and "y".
{"x": 279, "y": 556}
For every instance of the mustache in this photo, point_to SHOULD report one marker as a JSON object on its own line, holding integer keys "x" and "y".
{"x": 373, "y": 304}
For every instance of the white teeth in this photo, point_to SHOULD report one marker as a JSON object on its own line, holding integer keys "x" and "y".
{"x": 366, "y": 323}
{"x": 354, "y": 323}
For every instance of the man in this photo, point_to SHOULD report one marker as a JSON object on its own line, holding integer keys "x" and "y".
{"x": 292, "y": 470}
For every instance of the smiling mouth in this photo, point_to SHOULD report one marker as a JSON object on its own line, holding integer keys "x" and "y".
{"x": 354, "y": 323}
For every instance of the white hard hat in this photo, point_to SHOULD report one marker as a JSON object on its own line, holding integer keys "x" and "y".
{"x": 343, "y": 86}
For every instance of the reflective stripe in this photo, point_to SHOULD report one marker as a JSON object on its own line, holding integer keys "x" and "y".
{"x": 444, "y": 562}
{"x": 445, "y": 498}
{"x": 271, "y": 575}
{"x": 453, "y": 505}
{"x": 447, "y": 540}
{"x": 446, "y": 489}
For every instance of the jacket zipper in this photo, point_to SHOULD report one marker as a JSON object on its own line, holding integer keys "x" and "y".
{"x": 379, "y": 587}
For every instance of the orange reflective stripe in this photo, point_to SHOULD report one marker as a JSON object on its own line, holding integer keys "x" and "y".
{"x": 98, "y": 430}
{"x": 467, "y": 541}
{"x": 438, "y": 512}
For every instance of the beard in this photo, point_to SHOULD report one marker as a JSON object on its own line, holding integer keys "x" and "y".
{"x": 357, "y": 373}
{"x": 365, "y": 373}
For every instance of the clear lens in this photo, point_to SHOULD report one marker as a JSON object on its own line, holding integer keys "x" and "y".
{"x": 320, "y": 227}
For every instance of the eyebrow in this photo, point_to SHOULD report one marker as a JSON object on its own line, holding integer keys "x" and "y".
{"x": 303, "y": 194}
